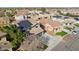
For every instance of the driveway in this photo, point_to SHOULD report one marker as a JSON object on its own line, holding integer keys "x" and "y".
{"x": 50, "y": 41}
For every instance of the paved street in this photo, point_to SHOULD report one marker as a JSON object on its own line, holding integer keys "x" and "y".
{"x": 72, "y": 45}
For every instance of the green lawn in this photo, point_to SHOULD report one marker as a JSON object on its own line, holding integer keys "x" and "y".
{"x": 9, "y": 14}
{"x": 77, "y": 24}
{"x": 62, "y": 33}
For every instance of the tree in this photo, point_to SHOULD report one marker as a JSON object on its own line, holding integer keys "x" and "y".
{"x": 9, "y": 14}
{"x": 14, "y": 33}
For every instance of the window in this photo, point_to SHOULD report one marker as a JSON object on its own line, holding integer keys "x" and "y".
{"x": 0, "y": 38}
{"x": 56, "y": 29}
{"x": 0, "y": 47}
{"x": 66, "y": 23}
{"x": 39, "y": 18}
{"x": 70, "y": 23}
{"x": 24, "y": 17}
{"x": 45, "y": 17}
{"x": 36, "y": 26}
{"x": 28, "y": 17}
{"x": 3, "y": 22}
{"x": 5, "y": 43}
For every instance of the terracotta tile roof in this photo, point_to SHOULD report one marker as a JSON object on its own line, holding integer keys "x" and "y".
{"x": 50, "y": 22}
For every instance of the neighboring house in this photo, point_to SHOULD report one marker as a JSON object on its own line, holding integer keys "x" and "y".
{"x": 21, "y": 14}
{"x": 4, "y": 21}
{"x": 35, "y": 18}
{"x": 31, "y": 43}
{"x": 2, "y": 12}
{"x": 51, "y": 26}
{"x": 73, "y": 11}
{"x": 34, "y": 12}
{"x": 77, "y": 19}
{"x": 45, "y": 16}
{"x": 68, "y": 22}
{"x": 4, "y": 44}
